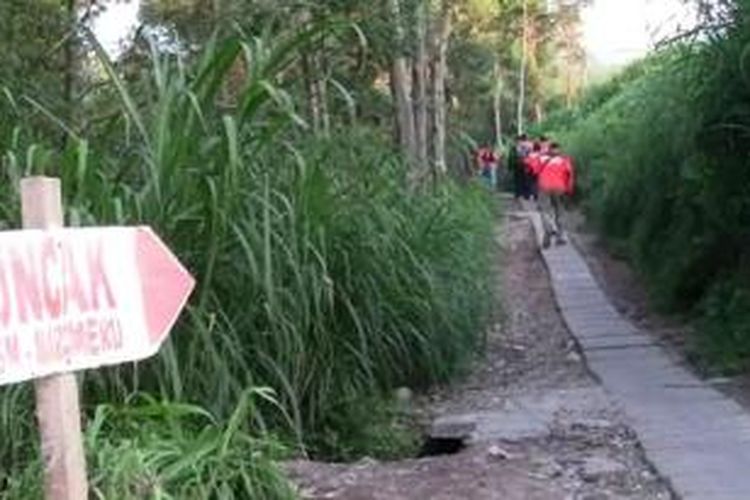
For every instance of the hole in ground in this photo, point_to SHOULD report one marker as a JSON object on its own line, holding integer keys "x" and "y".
{"x": 434, "y": 446}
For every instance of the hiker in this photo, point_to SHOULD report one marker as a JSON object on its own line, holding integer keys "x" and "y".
{"x": 545, "y": 145}
{"x": 532, "y": 164}
{"x": 487, "y": 161}
{"x": 520, "y": 178}
{"x": 555, "y": 180}
{"x": 514, "y": 164}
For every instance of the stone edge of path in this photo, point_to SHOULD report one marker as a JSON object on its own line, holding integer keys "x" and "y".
{"x": 696, "y": 438}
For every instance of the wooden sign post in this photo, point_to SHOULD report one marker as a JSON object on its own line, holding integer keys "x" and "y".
{"x": 74, "y": 299}
{"x": 57, "y": 407}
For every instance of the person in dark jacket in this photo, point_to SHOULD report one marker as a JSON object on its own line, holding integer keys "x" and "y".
{"x": 516, "y": 162}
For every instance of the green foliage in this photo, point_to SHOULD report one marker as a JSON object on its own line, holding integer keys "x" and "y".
{"x": 320, "y": 274}
{"x": 374, "y": 427}
{"x": 486, "y": 55}
{"x": 150, "y": 449}
{"x": 723, "y": 339}
{"x": 598, "y": 95}
{"x": 662, "y": 152}
{"x": 31, "y": 52}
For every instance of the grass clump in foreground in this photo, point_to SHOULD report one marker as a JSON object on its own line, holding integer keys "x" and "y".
{"x": 663, "y": 152}
{"x": 321, "y": 276}
{"x": 150, "y": 449}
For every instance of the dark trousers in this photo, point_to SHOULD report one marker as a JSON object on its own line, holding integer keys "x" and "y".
{"x": 519, "y": 182}
{"x": 532, "y": 187}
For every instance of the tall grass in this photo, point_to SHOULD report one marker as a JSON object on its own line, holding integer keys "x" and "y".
{"x": 320, "y": 275}
{"x": 665, "y": 165}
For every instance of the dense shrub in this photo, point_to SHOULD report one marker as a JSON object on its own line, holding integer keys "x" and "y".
{"x": 664, "y": 163}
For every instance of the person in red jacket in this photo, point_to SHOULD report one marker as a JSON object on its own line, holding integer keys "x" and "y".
{"x": 487, "y": 163}
{"x": 556, "y": 180}
{"x": 532, "y": 165}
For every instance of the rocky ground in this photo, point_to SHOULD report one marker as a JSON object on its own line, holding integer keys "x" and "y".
{"x": 531, "y": 422}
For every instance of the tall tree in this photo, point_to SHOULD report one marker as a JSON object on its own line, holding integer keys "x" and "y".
{"x": 439, "y": 80}
{"x": 401, "y": 86}
{"x": 497, "y": 101}
{"x": 571, "y": 55}
{"x": 522, "y": 68}
{"x": 421, "y": 64}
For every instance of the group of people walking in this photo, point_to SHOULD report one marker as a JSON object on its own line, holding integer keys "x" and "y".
{"x": 541, "y": 173}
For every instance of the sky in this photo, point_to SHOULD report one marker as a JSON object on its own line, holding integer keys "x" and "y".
{"x": 615, "y": 31}
{"x": 619, "y": 31}
{"x": 116, "y": 23}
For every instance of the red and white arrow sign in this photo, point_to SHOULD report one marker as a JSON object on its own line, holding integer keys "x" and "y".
{"x": 72, "y": 299}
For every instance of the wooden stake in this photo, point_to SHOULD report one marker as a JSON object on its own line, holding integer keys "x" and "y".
{"x": 57, "y": 405}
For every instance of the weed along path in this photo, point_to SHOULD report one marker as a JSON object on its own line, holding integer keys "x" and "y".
{"x": 529, "y": 422}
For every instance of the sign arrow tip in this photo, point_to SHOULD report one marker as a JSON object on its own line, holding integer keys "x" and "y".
{"x": 166, "y": 284}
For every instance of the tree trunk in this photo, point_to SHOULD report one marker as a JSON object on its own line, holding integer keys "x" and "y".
{"x": 522, "y": 76}
{"x": 420, "y": 85}
{"x": 309, "y": 68}
{"x": 539, "y": 112}
{"x": 401, "y": 86}
{"x": 497, "y": 105}
{"x": 71, "y": 67}
{"x": 315, "y": 73}
{"x": 322, "y": 84}
{"x": 313, "y": 100}
{"x": 439, "y": 76}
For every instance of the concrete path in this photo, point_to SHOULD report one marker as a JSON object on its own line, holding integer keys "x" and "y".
{"x": 695, "y": 436}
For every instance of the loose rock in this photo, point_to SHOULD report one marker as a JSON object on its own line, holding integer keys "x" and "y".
{"x": 497, "y": 453}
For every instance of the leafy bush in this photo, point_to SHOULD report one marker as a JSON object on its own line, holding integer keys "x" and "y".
{"x": 724, "y": 337}
{"x": 663, "y": 157}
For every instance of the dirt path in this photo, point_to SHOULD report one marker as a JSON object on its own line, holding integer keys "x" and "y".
{"x": 535, "y": 422}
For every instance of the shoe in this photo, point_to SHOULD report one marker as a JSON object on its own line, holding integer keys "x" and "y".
{"x": 560, "y": 241}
